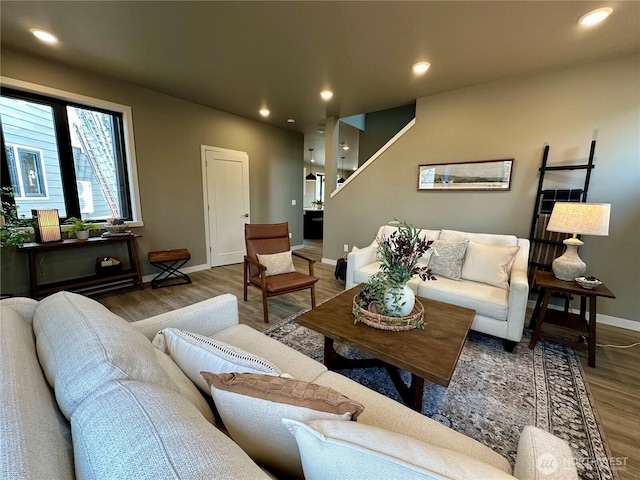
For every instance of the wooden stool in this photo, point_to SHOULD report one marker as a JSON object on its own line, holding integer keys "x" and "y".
{"x": 169, "y": 261}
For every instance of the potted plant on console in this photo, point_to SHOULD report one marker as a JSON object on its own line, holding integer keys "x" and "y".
{"x": 386, "y": 301}
{"x": 79, "y": 228}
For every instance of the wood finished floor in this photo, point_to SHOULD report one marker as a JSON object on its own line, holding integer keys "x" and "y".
{"x": 614, "y": 383}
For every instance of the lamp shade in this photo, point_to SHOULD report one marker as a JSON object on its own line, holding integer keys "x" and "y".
{"x": 47, "y": 225}
{"x": 580, "y": 218}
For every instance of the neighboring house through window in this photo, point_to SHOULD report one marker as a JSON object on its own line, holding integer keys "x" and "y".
{"x": 74, "y": 154}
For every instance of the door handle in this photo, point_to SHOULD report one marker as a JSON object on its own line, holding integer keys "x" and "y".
{"x": 246, "y": 215}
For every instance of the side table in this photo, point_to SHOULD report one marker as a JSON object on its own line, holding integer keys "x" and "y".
{"x": 575, "y": 323}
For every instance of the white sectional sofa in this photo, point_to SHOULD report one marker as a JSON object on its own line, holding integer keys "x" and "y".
{"x": 493, "y": 279}
{"x": 86, "y": 395}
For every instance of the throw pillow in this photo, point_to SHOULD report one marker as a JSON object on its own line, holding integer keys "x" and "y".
{"x": 489, "y": 264}
{"x": 447, "y": 258}
{"x": 252, "y": 408}
{"x": 277, "y": 263}
{"x": 194, "y": 353}
{"x": 332, "y": 449}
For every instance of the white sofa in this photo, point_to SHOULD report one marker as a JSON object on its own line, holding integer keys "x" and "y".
{"x": 500, "y": 310}
{"x": 86, "y": 395}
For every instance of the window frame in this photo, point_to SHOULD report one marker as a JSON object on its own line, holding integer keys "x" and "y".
{"x": 19, "y": 170}
{"x": 82, "y": 101}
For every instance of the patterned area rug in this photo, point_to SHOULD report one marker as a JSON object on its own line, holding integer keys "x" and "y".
{"x": 493, "y": 394}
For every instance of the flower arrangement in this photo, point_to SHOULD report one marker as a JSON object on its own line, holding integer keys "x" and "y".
{"x": 399, "y": 254}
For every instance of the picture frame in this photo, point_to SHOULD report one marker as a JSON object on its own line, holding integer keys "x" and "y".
{"x": 488, "y": 175}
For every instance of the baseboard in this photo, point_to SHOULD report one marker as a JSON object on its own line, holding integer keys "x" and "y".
{"x": 329, "y": 261}
{"x": 600, "y": 318}
{"x": 297, "y": 247}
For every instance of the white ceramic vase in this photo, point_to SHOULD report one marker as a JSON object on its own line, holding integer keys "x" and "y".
{"x": 399, "y": 301}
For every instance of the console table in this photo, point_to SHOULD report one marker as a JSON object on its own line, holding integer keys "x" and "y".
{"x": 94, "y": 283}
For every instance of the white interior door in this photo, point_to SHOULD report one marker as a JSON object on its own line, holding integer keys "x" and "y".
{"x": 226, "y": 194}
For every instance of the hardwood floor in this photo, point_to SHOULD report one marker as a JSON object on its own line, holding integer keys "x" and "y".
{"x": 614, "y": 383}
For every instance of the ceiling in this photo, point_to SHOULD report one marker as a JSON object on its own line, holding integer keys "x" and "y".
{"x": 240, "y": 56}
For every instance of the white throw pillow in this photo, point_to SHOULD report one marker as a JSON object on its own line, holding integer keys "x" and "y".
{"x": 447, "y": 258}
{"x": 489, "y": 264}
{"x": 277, "y": 263}
{"x": 194, "y": 353}
{"x": 252, "y": 408}
{"x": 330, "y": 450}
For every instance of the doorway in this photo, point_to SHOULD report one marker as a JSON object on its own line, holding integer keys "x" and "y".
{"x": 225, "y": 176}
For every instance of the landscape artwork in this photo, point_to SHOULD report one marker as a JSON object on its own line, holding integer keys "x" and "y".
{"x": 481, "y": 175}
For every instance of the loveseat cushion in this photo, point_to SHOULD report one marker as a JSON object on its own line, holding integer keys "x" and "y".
{"x": 381, "y": 411}
{"x": 130, "y": 429}
{"x": 82, "y": 345}
{"x": 489, "y": 264}
{"x": 35, "y": 438}
{"x": 287, "y": 359}
{"x": 252, "y": 407}
{"x": 194, "y": 353}
{"x": 331, "y": 449}
{"x": 484, "y": 238}
{"x": 486, "y": 300}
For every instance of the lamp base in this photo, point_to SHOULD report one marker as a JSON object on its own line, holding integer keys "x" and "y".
{"x": 569, "y": 266}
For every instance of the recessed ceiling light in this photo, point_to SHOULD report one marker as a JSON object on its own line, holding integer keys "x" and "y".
{"x": 291, "y": 121}
{"x": 44, "y": 36}
{"x": 326, "y": 94}
{"x": 420, "y": 67}
{"x": 595, "y": 16}
{"x": 264, "y": 112}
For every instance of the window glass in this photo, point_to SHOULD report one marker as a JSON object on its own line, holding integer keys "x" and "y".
{"x": 31, "y": 149}
{"x": 65, "y": 156}
{"x": 95, "y": 145}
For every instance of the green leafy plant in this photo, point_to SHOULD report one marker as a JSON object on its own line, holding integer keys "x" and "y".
{"x": 78, "y": 225}
{"x": 317, "y": 203}
{"x": 15, "y": 229}
{"x": 398, "y": 254}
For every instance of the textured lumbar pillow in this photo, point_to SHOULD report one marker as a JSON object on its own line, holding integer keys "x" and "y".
{"x": 277, "y": 263}
{"x": 489, "y": 264}
{"x": 194, "y": 353}
{"x": 447, "y": 258}
{"x": 332, "y": 449}
{"x": 252, "y": 407}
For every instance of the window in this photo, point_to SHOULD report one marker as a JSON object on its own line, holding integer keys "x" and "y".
{"x": 26, "y": 172}
{"x": 64, "y": 154}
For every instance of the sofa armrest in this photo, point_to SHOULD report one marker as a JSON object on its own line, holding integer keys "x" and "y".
{"x": 518, "y": 292}
{"x": 205, "y": 318}
{"x": 357, "y": 259}
{"x": 543, "y": 456}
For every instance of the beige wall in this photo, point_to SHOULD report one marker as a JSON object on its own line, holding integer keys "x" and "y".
{"x": 513, "y": 118}
{"x": 168, "y": 135}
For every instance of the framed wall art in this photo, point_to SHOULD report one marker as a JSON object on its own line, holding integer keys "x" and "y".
{"x": 480, "y": 175}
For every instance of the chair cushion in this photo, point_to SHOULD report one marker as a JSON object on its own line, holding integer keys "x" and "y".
{"x": 331, "y": 449}
{"x": 286, "y": 282}
{"x": 277, "y": 263}
{"x": 252, "y": 408}
{"x": 194, "y": 353}
{"x": 130, "y": 429}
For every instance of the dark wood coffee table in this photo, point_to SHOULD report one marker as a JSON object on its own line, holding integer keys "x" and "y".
{"x": 429, "y": 354}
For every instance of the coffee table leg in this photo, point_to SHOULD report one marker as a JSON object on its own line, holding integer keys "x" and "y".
{"x": 333, "y": 360}
{"x": 411, "y": 395}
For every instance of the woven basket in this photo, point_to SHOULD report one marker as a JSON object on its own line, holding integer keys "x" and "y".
{"x": 396, "y": 324}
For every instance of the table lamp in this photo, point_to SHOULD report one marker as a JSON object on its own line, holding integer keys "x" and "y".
{"x": 577, "y": 219}
{"x": 46, "y": 225}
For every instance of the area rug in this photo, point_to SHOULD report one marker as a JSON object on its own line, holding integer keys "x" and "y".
{"x": 493, "y": 394}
